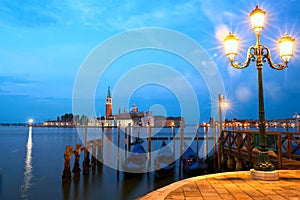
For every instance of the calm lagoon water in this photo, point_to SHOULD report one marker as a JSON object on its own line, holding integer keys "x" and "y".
{"x": 31, "y": 164}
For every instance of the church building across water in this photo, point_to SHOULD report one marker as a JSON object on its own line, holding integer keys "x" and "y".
{"x": 134, "y": 117}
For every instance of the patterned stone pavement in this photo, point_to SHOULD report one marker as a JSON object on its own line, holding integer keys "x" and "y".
{"x": 231, "y": 185}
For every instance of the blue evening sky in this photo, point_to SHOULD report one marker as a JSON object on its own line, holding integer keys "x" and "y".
{"x": 43, "y": 44}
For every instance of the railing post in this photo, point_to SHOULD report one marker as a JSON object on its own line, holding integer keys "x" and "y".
{"x": 250, "y": 137}
{"x": 290, "y": 146}
{"x": 279, "y": 150}
{"x": 220, "y": 151}
{"x": 229, "y": 141}
{"x": 225, "y": 143}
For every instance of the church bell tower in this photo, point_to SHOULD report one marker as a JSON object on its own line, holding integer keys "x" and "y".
{"x": 108, "y": 105}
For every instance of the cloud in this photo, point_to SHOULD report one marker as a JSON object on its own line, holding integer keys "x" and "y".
{"x": 273, "y": 91}
{"x": 243, "y": 94}
{"x": 12, "y": 79}
{"x": 9, "y": 83}
{"x": 19, "y": 108}
{"x": 233, "y": 73}
{"x": 110, "y": 15}
{"x": 155, "y": 15}
{"x": 220, "y": 17}
{"x": 15, "y": 84}
{"x": 221, "y": 31}
{"x": 29, "y": 13}
{"x": 22, "y": 84}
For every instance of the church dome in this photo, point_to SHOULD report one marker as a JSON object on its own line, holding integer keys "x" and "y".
{"x": 134, "y": 109}
{"x": 296, "y": 116}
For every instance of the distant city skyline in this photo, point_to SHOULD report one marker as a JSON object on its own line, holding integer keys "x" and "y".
{"x": 44, "y": 44}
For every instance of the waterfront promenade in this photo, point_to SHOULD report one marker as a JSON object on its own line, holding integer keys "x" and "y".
{"x": 231, "y": 185}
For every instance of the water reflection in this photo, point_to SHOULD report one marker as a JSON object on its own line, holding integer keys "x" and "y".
{"x": 107, "y": 182}
{"x": 24, "y": 189}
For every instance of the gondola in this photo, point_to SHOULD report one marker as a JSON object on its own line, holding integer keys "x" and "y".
{"x": 164, "y": 161}
{"x": 136, "y": 161}
{"x": 137, "y": 141}
{"x": 192, "y": 164}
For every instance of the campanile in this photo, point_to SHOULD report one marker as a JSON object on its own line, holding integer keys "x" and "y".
{"x": 108, "y": 105}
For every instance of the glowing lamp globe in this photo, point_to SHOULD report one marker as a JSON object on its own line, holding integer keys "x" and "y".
{"x": 257, "y": 17}
{"x": 286, "y": 46}
{"x": 224, "y": 104}
{"x": 30, "y": 122}
{"x": 231, "y": 45}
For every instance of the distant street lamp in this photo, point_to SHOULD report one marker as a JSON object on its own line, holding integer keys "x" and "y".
{"x": 259, "y": 54}
{"x": 30, "y": 122}
{"x": 223, "y": 104}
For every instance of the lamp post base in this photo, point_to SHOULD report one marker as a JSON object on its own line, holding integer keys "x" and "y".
{"x": 264, "y": 175}
{"x": 264, "y": 163}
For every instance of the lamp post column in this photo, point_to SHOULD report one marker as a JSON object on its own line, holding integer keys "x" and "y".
{"x": 261, "y": 111}
{"x": 220, "y": 112}
{"x": 264, "y": 163}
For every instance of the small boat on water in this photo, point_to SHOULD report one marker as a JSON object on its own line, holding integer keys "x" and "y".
{"x": 164, "y": 161}
{"x": 136, "y": 161}
{"x": 192, "y": 163}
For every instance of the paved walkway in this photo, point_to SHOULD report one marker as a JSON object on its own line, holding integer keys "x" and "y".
{"x": 231, "y": 185}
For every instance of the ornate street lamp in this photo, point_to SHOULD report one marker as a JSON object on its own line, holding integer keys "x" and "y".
{"x": 223, "y": 104}
{"x": 259, "y": 54}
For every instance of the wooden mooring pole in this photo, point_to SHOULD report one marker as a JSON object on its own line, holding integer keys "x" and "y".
{"x": 181, "y": 144}
{"x": 206, "y": 141}
{"x": 173, "y": 136}
{"x": 118, "y": 161}
{"x": 129, "y": 137}
{"x": 76, "y": 169}
{"x": 215, "y": 138}
{"x": 125, "y": 142}
{"x": 197, "y": 139}
{"x": 94, "y": 154}
{"x": 149, "y": 146}
{"x": 86, "y": 161}
{"x": 99, "y": 152}
{"x": 66, "y": 177}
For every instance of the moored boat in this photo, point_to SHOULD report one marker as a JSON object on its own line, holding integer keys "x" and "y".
{"x": 136, "y": 161}
{"x": 164, "y": 161}
{"x": 137, "y": 141}
{"x": 192, "y": 163}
